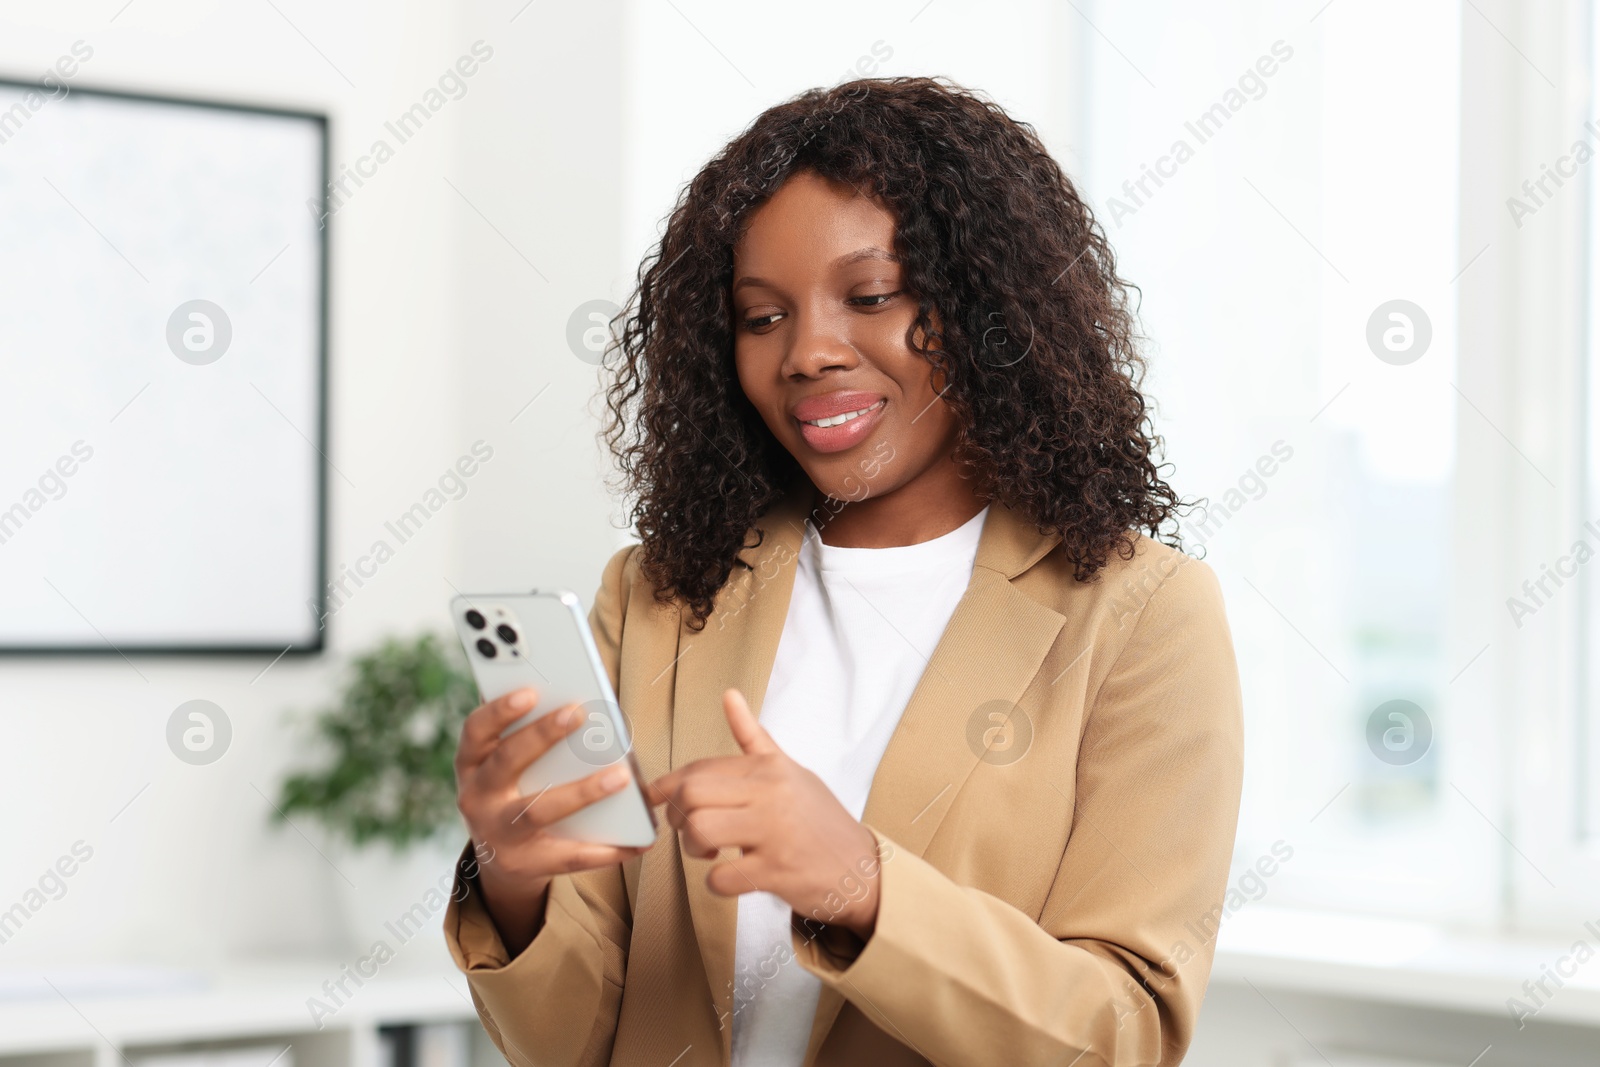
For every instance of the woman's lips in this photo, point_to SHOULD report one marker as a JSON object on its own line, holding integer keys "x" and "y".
{"x": 842, "y": 436}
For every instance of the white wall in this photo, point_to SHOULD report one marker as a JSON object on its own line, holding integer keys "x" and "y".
{"x": 699, "y": 73}
{"x": 439, "y": 331}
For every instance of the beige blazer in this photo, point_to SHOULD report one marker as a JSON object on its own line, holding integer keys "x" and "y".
{"x": 1051, "y": 885}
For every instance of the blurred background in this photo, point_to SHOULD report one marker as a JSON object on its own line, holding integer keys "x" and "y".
{"x": 284, "y": 372}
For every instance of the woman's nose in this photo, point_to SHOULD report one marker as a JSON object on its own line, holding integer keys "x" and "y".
{"x": 817, "y": 346}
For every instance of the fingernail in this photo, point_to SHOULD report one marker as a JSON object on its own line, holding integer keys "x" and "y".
{"x": 523, "y": 699}
{"x": 567, "y": 716}
{"x": 616, "y": 778}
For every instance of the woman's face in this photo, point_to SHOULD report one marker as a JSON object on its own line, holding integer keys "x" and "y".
{"x": 820, "y": 325}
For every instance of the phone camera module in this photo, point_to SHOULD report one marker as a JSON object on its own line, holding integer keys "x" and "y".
{"x": 486, "y": 648}
{"x": 475, "y": 619}
{"x": 507, "y": 634}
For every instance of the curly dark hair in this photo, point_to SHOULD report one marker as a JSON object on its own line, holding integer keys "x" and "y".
{"x": 1019, "y": 303}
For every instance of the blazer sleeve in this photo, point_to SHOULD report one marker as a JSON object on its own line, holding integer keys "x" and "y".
{"x": 1114, "y": 969}
{"x": 556, "y": 1004}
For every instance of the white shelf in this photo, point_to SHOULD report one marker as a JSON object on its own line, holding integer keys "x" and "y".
{"x": 79, "y": 1027}
{"x": 1398, "y": 962}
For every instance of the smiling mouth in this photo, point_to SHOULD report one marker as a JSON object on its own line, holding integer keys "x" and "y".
{"x": 840, "y": 420}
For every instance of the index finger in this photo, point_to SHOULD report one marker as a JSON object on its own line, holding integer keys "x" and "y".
{"x": 659, "y": 790}
{"x": 481, "y": 731}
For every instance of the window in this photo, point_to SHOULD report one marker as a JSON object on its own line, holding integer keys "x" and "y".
{"x": 1282, "y": 188}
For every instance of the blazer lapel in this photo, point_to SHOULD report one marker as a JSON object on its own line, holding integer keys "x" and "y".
{"x": 735, "y": 650}
{"x": 990, "y": 651}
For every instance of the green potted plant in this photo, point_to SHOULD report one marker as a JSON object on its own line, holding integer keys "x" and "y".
{"x": 382, "y": 788}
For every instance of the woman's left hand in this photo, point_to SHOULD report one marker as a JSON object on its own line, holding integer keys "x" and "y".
{"x": 798, "y": 841}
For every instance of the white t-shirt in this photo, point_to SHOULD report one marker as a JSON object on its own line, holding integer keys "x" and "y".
{"x": 862, "y": 623}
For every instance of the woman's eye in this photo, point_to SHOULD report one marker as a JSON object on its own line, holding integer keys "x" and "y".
{"x": 873, "y": 299}
{"x": 759, "y": 322}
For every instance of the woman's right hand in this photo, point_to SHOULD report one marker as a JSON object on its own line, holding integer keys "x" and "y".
{"x": 516, "y": 854}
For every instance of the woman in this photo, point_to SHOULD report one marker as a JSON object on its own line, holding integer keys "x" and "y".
{"x": 950, "y": 740}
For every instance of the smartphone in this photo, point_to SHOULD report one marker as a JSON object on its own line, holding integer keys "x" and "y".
{"x": 542, "y": 640}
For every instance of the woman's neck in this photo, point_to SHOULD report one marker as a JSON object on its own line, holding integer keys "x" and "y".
{"x": 909, "y": 515}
